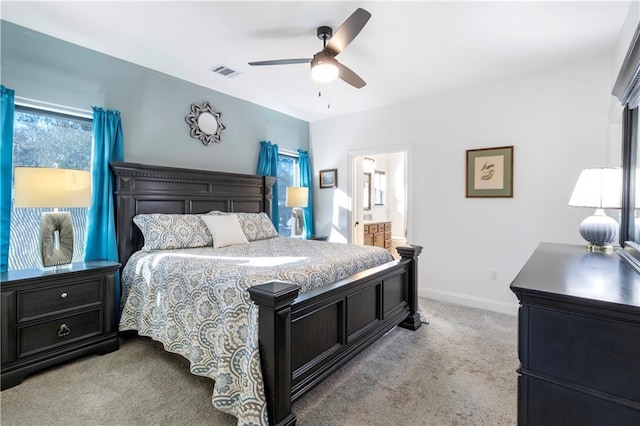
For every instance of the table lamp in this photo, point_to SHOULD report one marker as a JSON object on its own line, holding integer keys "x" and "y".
{"x": 599, "y": 188}
{"x": 41, "y": 187}
{"x": 297, "y": 198}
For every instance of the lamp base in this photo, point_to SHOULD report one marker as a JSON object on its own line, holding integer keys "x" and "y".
{"x": 600, "y": 231}
{"x": 56, "y": 237}
{"x": 298, "y": 229}
{"x": 598, "y": 248}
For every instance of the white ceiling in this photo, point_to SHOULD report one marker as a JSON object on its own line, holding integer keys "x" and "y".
{"x": 406, "y": 51}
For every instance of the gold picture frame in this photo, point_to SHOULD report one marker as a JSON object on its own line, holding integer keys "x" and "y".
{"x": 490, "y": 172}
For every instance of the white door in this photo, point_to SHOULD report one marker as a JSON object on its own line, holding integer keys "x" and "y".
{"x": 356, "y": 201}
{"x": 399, "y": 191}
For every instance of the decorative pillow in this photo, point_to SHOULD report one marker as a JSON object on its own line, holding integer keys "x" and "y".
{"x": 256, "y": 226}
{"x": 172, "y": 231}
{"x": 225, "y": 229}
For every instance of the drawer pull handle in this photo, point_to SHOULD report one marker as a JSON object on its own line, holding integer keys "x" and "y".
{"x": 64, "y": 295}
{"x": 63, "y": 330}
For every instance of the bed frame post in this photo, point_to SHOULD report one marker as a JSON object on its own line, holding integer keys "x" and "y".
{"x": 274, "y": 330}
{"x": 411, "y": 252}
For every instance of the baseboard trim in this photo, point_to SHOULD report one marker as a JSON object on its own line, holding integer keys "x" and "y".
{"x": 472, "y": 301}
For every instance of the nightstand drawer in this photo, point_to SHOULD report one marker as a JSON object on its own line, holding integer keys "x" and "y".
{"x": 54, "y": 299}
{"x": 58, "y": 332}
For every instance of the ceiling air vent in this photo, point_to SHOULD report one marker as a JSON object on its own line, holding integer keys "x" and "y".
{"x": 224, "y": 71}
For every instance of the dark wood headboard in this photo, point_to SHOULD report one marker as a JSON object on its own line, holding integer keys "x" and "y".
{"x": 141, "y": 188}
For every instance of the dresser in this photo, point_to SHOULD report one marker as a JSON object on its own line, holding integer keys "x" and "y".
{"x": 51, "y": 316}
{"x": 578, "y": 338}
{"x": 378, "y": 234}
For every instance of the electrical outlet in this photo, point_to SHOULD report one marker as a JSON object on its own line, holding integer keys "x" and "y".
{"x": 493, "y": 274}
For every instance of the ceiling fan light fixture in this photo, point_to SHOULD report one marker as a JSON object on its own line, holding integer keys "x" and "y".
{"x": 324, "y": 68}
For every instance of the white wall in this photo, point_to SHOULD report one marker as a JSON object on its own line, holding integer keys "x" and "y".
{"x": 558, "y": 123}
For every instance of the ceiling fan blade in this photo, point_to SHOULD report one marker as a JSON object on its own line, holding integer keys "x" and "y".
{"x": 348, "y": 31}
{"x": 350, "y": 77}
{"x": 282, "y": 62}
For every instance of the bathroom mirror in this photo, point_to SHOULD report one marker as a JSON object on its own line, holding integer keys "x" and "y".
{"x": 204, "y": 123}
{"x": 379, "y": 187}
{"x": 366, "y": 192}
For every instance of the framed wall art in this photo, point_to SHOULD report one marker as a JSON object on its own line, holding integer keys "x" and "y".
{"x": 329, "y": 178}
{"x": 490, "y": 172}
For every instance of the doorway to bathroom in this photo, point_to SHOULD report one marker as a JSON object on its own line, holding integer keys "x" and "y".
{"x": 379, "y": 194}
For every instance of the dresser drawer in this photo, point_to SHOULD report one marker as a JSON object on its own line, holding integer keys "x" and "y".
{"x": 378, "y": 239}
{"x": 366, "y": 229}
{"x": 58, "y": 332}
{"x": 594, "y": 352}
{"x": 387, "y": 227}
{"x": 380, "y": 227}
{"x": 387, "y": 235}
{"x": 53, "y": 299}
{"x": 551, "y": 404}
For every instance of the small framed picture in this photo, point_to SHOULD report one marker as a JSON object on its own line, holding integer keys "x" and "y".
{"x": 329, "y": 178}
{"x": 490, "y": 172}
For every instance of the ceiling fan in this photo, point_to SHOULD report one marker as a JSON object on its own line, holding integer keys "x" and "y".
{"x": 324, "y": 66}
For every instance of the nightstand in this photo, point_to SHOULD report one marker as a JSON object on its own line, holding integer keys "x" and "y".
{"x": 52, "y": 316}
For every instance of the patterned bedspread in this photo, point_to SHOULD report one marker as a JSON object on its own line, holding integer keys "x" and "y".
{"x": 195, "y": 302}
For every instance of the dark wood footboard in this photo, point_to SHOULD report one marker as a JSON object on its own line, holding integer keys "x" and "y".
{"x": 305, "y": 337}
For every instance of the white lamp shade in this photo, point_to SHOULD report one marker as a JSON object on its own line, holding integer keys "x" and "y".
{"x": 600, "y": 188}
{"x": 297, "y": 196}
{"x": 51, "y": 188}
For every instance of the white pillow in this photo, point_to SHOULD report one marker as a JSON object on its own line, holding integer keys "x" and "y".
{"x": 256, "y": 226}
{"x": 225, "y": 229}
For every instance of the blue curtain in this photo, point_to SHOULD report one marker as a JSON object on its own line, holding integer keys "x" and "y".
{"x": 306, "y": 180}
{"x": 6, "y": 172}
{"x": 101, "y": 226}
{"x": 268, "y": 166}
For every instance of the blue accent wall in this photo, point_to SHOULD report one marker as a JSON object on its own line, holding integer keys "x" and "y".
{"x": 153, "y": 105}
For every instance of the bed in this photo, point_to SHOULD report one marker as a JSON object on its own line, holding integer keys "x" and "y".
{"x": 300, "y": 337}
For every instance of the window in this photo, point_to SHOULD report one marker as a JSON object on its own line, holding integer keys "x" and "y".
{"x": 47, "y": 139}
{"x": 288, "y": 175}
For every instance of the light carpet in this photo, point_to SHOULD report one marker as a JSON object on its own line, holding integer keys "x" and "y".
{"x": 458, "y": 370}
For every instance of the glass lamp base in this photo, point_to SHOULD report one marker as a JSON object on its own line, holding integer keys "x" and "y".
{"x": 600, "y": 248}
{"x": 56, "y": 236}
{"x": 600, "y": 231}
